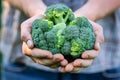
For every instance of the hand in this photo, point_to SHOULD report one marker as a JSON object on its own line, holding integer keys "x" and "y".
{"x": 39, "y": 56}
{"x": 89, "y": 55}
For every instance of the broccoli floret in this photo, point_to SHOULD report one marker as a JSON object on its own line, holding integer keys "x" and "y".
{"x": 59, "y": 13}
{"x": 81, "y": 21}
{"x": 71, "y": 32}
{"x": 61, "y": 33}
{"x": 77, "y": 47}
{"x": 44, "y": 24}
{"x": 66, "y": 48}
{"x": 38, "y": 35}
{"x": 86, "y": 36}
{"x": 58, "y": 29}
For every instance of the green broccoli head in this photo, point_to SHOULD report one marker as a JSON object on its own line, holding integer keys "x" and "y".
{"x": 42, "y": 24}
{"x": 86, "y": 38}
{"x": 38, "y": 34}
{"x": 77, "y": 47}
{"x": 59, "y": 13}
{"x": 61, "y": 33}
{"x": 66, "y": 48}
{"x": 71, "y": 32}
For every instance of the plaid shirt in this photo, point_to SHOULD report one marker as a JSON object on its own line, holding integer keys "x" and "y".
{"x": 108, "y": 58}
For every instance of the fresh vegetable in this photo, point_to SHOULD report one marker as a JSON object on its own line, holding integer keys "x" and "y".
{"x": 62, "y": 33}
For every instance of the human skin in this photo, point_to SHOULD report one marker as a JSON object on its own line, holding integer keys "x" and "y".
{"x": 93, "y": 10}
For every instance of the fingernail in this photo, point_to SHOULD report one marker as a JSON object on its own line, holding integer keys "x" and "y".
{"x": 29, "y": 43}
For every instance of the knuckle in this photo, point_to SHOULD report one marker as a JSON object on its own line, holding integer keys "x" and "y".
{"x": 58, "y": 57}
{"x": 23, "y": 33}
{"x": 23, "y": 36}
{"x": 26, "y": 25}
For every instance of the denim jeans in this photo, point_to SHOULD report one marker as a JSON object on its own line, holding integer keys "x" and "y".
{"x": 22, "y": 72}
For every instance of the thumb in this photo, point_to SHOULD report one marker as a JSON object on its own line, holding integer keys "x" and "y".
{"x": 26, "y": 30}
{"x": 26, "y": 34}
{"x": 97, "y": 45}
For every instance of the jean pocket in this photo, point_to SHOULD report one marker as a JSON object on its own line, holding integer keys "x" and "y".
{"x": 112, "y": 73}
{"x": 15, "y": 67}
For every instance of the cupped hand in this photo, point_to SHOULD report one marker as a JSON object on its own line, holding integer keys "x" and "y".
{"x": 39, "y": 56}
{"x": 89, "y": 55}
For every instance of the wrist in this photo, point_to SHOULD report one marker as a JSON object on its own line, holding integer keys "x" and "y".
{"x": 35, "y": 11}
{"x": 87, "y": 13}
{"x": 34, "y": 7}
{"x": 97, "y": 9}
{"x": 89, "y": 10}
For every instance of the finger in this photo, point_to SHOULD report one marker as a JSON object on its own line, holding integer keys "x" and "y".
{"x": 26, "y": 34}
{"x": 98, "y": 30}
{"x": 47, "y": 62}
{"x": 58, "y": 57}
{"x": 90, "y": 54}
{"x": 38, "y": 53}
{"x": 54, "y": 66}
{"x": 62, "y": 69}
{"x": 76, "y": 69}
{"x": 99, "y": 35}
{"x": 32, "y": 58}
{"x": 97, "y": 46}
{"x": 30, "y": 43}
{"x": 64, "y": 62}
{"x": 82, "y": 63}
{"x": 98, "y": 41}
{"x": 27, "y": 51}
{"x": 35, "y": 52}
{"x": 26, "y": 30}
{"x": 52, "y": 62}
{"x": 69, "y": 68}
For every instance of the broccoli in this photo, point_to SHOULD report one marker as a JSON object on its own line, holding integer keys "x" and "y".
{"x": 59, "y": 13}
{"x": 62, "y": 33}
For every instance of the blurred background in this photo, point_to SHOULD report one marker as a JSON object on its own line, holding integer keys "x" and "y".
{"x": 0, "y": 35}
{"x": 0, "y": 44}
